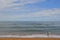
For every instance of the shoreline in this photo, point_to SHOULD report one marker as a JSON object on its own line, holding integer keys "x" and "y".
{"x": 30, "y": 36}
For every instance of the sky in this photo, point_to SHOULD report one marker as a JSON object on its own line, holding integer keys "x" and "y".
{"x": 29, "y": 10}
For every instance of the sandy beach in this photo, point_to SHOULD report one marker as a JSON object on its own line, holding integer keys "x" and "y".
{"x": 29, "y": 38}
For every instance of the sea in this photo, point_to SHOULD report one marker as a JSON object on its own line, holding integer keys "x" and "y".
{"x": 29, "y": 28}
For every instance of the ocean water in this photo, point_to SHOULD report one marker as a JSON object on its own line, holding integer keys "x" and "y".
{"x": 29, "y": 27}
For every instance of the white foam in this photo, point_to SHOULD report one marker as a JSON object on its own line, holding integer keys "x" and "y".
{"x": 27, "y": 36}
{"x": 32, "y": 36}
{"x": 54, "y": 36}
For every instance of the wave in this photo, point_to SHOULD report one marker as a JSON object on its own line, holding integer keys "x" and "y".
{"x": 32, "y": 36}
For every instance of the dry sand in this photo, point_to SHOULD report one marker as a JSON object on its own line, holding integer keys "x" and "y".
{"x": 29, "y": 38}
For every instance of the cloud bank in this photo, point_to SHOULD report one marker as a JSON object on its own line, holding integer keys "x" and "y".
{"x": 49, "y": 13}
{"x": 9, "y": 3}
{"x": 5, "y": 3}
{"x": 16, "y": 9}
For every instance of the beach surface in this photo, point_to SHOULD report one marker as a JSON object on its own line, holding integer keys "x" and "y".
{"x": 29, "y": 38}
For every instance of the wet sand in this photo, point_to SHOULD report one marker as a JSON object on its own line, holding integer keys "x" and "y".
{"x": 29, "y": 38}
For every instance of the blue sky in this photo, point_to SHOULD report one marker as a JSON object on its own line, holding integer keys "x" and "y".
{"x": 29, "y": 10}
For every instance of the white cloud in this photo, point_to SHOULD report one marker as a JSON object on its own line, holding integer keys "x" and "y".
{"x": 46, "y": 12}
{"x": 4, "y": 3}
{"x": 23, "y": 2}
{"x": 10, "y": 3}
{"x": 49, "y": 13}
